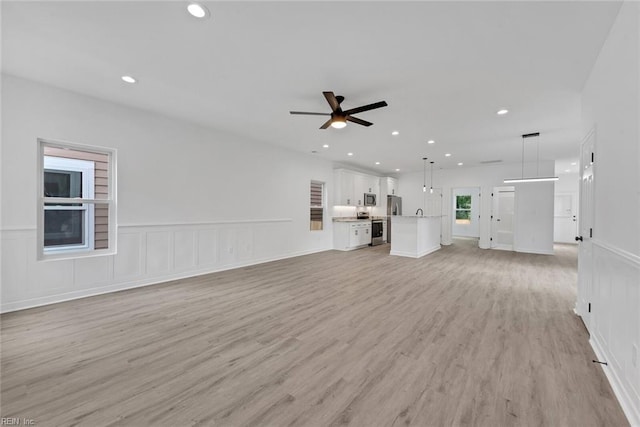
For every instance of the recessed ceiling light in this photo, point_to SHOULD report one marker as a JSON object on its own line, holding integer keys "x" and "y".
{"x": 397, "y": 170}
{"x": 431, "y": 141}
{"x": 460, "y": 164}
{"x": 377, "y": 163}
{"x": 349, "y": 154}
{"x": 325, "y": 146}
{"x": 567, "y": 170}
{"x": 448, "y": 155}
{"x": 395, "y": 132}
{"x": 128, "y": 79}
{"x": 573, "y": 163}
{"x": 502, "y": 112}
{"x": 198, "y": 10}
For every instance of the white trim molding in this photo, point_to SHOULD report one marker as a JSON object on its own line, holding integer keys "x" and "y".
{"x": 615, "y": 322}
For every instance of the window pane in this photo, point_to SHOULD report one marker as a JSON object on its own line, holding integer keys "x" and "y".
{"x": 463, "y": 202}
{"x": 461, "y": 214}
{"x": 64, "y": 227}
{"x": 62, "y": 183}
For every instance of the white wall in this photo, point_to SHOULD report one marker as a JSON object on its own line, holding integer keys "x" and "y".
{"x": 534, "y": 202}
{"x": 610, "y": 105}
{"x": 190, "y": 199}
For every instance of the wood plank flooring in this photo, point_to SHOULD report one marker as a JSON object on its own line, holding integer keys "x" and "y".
{"x": 460, "y": 337}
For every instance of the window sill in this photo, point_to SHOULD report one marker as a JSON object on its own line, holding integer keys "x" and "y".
{"x": 75, "y": 254}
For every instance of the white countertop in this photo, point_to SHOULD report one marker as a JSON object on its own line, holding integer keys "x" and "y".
{"x": 349, "y": 219}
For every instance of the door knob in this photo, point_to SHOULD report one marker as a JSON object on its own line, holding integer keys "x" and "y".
{"x": 578, "y": 238}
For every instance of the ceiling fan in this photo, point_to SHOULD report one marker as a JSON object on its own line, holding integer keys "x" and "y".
{"x": 340, "y": 118}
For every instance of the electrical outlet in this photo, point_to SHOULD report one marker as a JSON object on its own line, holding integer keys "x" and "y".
{"x": 634, "y": 355}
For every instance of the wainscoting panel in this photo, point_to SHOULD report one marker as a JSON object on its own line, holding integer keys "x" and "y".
{"x": 184, "y": 250}
{"x": 93, "y": 271}
{"x": 207, "y": 253}
{"x": 44, "y": 277}
{"x": 615, "y": 322}
{"x": 14, "y": 266}
{"x": 128, "y": 260}
{"x": 146, "y": 254}
{"x": 159, "y": 252}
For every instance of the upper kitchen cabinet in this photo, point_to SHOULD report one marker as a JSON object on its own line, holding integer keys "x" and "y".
{"x": 343, "y": 190}
{"x": 392, "y": 186}
{"x": 350, "y": 187}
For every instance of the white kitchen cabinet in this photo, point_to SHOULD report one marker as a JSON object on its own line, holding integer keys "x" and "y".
{"x": 392, "y": 186}
{"x": 359, "y": 184}
{"x": 359, "y": 234}
{"x": 343, "y": 183}
{"x": 371, "y": 185}
{"x": 350, "y": 187}
{"x": 349, "y": 235}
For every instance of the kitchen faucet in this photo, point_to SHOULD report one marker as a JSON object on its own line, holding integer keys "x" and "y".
{"x": 421, "y": 212}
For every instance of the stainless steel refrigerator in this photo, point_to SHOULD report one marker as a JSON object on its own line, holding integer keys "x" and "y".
{"x": 394, "y": 207}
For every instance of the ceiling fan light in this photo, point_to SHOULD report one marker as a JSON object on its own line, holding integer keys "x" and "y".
{"x": 338, "y": 123}
{"x": 197, "y": 10}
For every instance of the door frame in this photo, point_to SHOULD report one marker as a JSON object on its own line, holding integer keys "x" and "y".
{"x": 493, "y": 229}
{"x": 586, "y": 220}
{"x": 477, "y": 203}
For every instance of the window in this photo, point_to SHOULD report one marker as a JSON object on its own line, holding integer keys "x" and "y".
{"x": 317, "y": 209}
{"x": 76, "y": 213}
{"x": 463, "y": 209}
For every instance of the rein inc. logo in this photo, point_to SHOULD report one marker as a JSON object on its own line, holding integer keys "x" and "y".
{"x": 17, "y": 421}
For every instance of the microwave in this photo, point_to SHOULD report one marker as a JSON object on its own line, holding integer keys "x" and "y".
{"x": 369, "y": 199}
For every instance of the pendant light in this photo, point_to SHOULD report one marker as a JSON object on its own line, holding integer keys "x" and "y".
{"x": 431, "y": 190}
{"x": 537, "y": 178}
{"x": 424, "y": 176}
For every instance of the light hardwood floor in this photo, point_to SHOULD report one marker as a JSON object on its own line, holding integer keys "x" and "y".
{"x": 460, "y": 337}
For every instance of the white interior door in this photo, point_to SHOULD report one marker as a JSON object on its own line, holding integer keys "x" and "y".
{"x": 502, "y": 218}
{"x": 565, "y": 225}
{"x": 585, "y": 227}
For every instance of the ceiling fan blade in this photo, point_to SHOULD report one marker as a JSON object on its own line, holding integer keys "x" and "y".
{"x": 332, "y": 100}
{"x": 358, "y": 121}
{"x": 326, "y": 124}
{"x": 309, "y": 114}
{"x": 366, "y": 107}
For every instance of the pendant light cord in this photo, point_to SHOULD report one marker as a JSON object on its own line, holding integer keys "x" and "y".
{"x": 431, "y": 175}
{"x": 424, "y": 175}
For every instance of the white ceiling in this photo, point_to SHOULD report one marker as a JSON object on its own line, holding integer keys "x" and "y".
{"x": 444, "y": 68}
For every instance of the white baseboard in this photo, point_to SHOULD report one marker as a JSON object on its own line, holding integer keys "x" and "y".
{"x": 413, "y": 255}
{"x": 630, "y": 406}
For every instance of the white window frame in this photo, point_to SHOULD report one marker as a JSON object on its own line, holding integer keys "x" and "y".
{"x": 86, "y": 168}
{"x": 88, "y": 201}
{"x": 321, "y": 206}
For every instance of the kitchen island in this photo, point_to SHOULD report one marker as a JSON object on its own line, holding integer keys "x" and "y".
{"x": 415, "y": 236}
